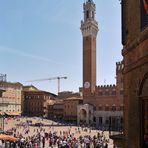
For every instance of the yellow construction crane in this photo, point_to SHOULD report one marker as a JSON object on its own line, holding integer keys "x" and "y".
{"x": 52, "y": 78}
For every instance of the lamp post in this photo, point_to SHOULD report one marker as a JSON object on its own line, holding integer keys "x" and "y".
{"x": 2, "y": 107}
{"x": 3, "y": 114}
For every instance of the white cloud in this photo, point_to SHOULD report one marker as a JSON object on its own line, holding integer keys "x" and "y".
{"x": 28, "y": 55}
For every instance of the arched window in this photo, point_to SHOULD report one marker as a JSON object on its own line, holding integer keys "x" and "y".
{"x": 93, "y": 15}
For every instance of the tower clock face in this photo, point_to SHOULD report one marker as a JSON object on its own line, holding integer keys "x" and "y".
{"x": 86, "y": 84}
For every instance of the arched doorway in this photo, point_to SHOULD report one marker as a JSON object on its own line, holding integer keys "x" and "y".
{"x": 144, "y": 110}
{"x": 83, "y": 116}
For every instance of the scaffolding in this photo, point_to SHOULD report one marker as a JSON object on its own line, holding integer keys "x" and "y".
{"x": 3, "y": 77}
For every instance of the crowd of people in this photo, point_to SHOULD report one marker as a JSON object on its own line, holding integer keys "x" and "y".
{"x": 43, "y": 138}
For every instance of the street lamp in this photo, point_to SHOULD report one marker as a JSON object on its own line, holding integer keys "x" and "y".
{"x": 3, "y": 113}
{"x": 2, "y": 106}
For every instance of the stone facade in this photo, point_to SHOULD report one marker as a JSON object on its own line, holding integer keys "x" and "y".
{"x": 70, "y": 108}
{"x": 11, "y": 98}
{"x": 85, "y": 114}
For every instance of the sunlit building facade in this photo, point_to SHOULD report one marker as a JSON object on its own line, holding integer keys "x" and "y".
{"x": 102, "y": 105}
{"x": 11, "y": 97}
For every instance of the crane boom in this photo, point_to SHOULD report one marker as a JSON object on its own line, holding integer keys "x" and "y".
{"x": 52, "y": 78}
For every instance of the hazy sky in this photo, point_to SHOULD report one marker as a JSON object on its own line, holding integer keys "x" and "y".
{"x": 42, "y": 39}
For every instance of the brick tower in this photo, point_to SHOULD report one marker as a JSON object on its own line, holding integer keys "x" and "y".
{"x": 89, "y": 28}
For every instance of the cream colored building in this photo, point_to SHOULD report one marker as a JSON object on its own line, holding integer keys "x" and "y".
{"x": 70, "y": 108}
{"x": 11, "y": 98}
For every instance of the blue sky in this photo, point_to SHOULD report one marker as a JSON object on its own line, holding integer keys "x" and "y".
{"x": 42, "y": 39}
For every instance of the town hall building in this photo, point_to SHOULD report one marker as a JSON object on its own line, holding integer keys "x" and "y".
{"x": 102, "y": 105}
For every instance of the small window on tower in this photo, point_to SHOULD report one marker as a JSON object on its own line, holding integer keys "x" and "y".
{"x": 87, "y": 14}
{"x": 93, "y": 14}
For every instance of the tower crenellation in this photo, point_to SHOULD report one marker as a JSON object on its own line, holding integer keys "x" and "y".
{"x": 106, "y": 86}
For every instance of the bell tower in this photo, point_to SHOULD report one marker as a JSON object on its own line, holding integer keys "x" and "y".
{"x": 89, "y": 29}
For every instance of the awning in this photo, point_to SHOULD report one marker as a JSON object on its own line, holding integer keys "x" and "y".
{"x": 13, "y": 113}
{"x": 7, "y": 137}
{"x": 7, "y": 113}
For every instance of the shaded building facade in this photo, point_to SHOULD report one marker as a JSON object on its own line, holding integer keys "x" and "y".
{"x": 135, "y": 74}
{"x": 36, "y": 101}
{"x": 56, "y": 110}
{"x": 11, "y": 97}
{"x": 65, "y": 106}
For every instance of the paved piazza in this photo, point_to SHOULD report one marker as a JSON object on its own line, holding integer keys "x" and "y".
{"x": 55, "y": 127}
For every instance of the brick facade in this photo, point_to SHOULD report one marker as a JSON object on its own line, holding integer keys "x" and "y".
{"x": 36, "y": 102}
{"x": 107, "y": 100}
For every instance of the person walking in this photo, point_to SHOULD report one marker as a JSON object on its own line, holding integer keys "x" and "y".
{"x": 43, "y": 142}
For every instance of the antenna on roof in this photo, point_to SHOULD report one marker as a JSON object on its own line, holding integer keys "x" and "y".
{"x": 104, "y": 81}
{"x": 3, "y": 77}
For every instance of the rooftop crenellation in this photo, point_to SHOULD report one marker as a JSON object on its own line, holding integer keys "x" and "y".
{"x": 107, "y": 86}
